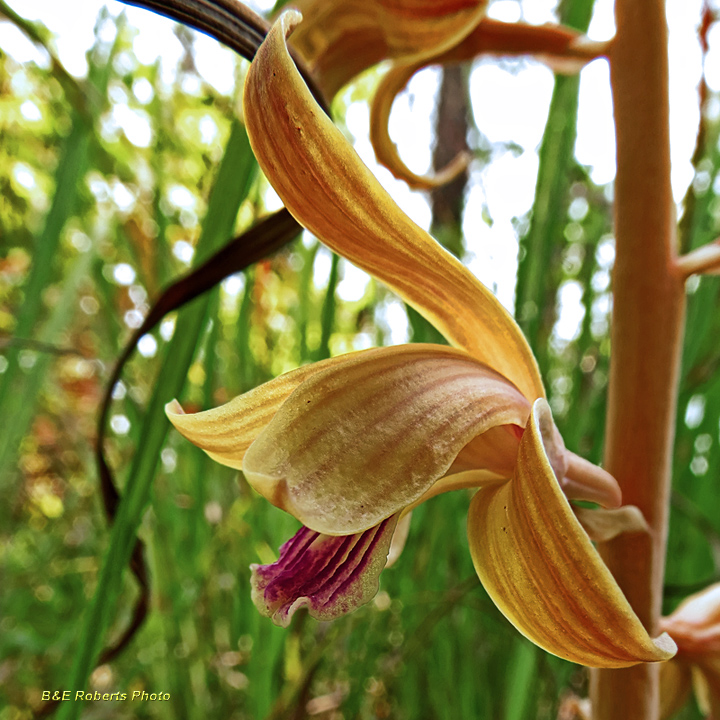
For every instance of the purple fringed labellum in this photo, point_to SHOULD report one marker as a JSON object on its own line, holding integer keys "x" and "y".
{"x": 330, "y": 575}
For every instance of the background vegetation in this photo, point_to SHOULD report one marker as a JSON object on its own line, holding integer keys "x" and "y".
{"x": 93, "y": 224}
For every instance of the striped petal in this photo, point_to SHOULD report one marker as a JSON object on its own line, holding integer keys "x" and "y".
{"x": 330, "y": 576}
{"x": 497, "y": 449}
{"x": 328, "y": 189}
{"x": 226, "y": 432}
{"x": 542, "y": 571}
{"x": 341, "y": 38}
{"x": 359, "y": 441}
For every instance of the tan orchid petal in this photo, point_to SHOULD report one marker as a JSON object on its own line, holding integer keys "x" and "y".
{"x": 542, "y": 571}
{"x": 386, "y": 151}
{"x": 695, "y": 623}
{"x": 604, "y": 525}
{"x": 563, "y": 49}
{"x": 329, "y": 575}
{"x": 496, "y": 452}
{"x": 226, "y": 432}
{"x": 358, "y": 442}
{"x": 675, "y": 686}
{"x": 585, "y": 481}
{"x": 328, "y": 189}
{"x": 341, "y": 38}
{"x": 492, "y": 450}
{"x": 490, "y": 459}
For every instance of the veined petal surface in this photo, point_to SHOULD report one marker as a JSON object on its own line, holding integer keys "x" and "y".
{"x": 359, "y": 441}
{"x": 328, "y": 189}
{"x": 226, "y": 432}
{"x": 541, "y": 569}
{"x": 329, "y": 575}
{"x": 341, "y": 38}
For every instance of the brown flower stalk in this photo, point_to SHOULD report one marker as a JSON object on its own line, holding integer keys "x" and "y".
{"x": 648, "y": 315}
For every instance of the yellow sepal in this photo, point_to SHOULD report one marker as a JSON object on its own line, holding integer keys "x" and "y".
{"x": 328, "y": 189}
{"x": 542, "y": 571}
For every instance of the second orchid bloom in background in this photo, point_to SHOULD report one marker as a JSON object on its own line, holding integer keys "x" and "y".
{"x": 349, "y": 445}
{"x": 695, "y": 627}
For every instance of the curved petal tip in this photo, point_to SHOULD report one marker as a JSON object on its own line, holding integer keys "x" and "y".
{"x": 289, "y": 20}
{"x": 666, "y": 646}
{"x": 585, "y": 481}
{"x": 173, "y": 408}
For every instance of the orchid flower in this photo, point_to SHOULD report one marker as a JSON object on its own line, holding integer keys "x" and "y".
{"x": 695, "y": 627}
{"x": 350, "y": 445}
{"x": 341, "y": 38}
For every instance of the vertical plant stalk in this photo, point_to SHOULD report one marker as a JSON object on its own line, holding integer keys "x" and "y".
{"x": 451, "y": 128}
{"x": 647, "y": 328}
{"x": 447, "y": 202}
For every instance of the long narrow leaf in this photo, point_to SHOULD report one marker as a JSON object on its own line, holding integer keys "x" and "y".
{"x": 537, "y": 282}
{"x": 230, "y": 189}
{"x": 15, "y": 383}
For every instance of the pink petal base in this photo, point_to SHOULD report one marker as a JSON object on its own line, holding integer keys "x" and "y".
{"x": 330, "y": 575}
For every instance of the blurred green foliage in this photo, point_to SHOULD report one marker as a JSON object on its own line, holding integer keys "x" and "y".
{"x": 94, "y": 221}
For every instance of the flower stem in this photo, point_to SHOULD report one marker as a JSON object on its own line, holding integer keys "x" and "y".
{"x": 647, "y": 331}
{"x": 705, "y": 259}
